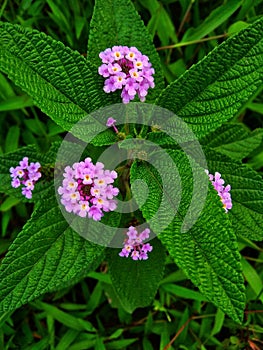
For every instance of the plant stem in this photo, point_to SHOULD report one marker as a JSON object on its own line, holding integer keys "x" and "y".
{"x": 191, "y": 42}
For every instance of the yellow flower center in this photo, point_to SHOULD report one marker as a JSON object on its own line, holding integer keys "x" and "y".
{"x": 117, "y": 54}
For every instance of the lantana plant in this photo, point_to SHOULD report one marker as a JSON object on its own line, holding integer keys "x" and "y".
{"x": 200, "y": 196}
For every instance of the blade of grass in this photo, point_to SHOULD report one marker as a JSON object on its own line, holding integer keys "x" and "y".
{"x": 183, "y": 292}
{"x": 214, "y": 20}
{"x": 12, "y": 139}
{"x": 65, "y": 318}
{"x": 186, "y": 43}
{"x": 219, "y": 321}
{"x": 16, "y": 102}
{"x": 9, "y": 203}
{"x": 252, "y": 278}
{"x": 67, "y": 339}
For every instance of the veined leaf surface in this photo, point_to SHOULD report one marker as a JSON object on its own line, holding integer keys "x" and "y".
{"x": 213, "y": 90}
{"x": 207, "y": 251}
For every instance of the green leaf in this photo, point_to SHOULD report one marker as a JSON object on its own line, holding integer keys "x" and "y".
{"x": 183, "y": 292}
{"x": 253, "y": 279}
{"x": 120, "y": 344}
{"x": 9, "y": 203}
{"x": 12, "y": 138}
{"x": 255, "y": 107}
{"x": 248, "y": 9}
{"x": 214, "y": 20}
{"x": 236, "y": 27}
{"x": 67, "y": 339}
{"x": 116, "y": 22}
{"x": 16, "y": 102}
{"x": 160, "y": 21}
{"x": 246, "y": 192}
{"x": 234, "y": 140}
{"x": 65, "y": 318}
{"x": 46, "y": 255}
{"x": 36, "y": 126}
{"x": 219, "y": 322}
{"x": 84, "y": 344}
{"x": 62, "y": 83}
{"x": 161, "y": 138}
{"x": 206, "y": 249}
{"x": 212, "y": 91}
{"x": 136, "y": 282}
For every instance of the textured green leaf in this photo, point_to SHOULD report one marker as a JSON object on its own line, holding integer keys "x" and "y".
{"x": 212, "y": 91}
{"x": 136, "y": 282}
{"x": 45, "y": 256}
{"x": 62, "y": 83}
{"x": 116, "y": 22}
{"x": 161, "y": 138}
{"x": 108, "y": 137}
{"x": 46, "y": 160}
{"x": 246, "y": 193}
{"x": 234, "y": 140}
{"x": 206, "y": 251}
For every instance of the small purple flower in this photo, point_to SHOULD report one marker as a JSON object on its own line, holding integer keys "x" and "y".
{"x": 27, "y": 192}
{"x": 119, "y": 80}
{"x": 147, "y": 247}
{"x": 104, "y": 71}
{"x": 87, "y": 191}
{"x": 26, "y": 175}
{"x": 124, "y": 253}
{"x": 15, "y": 183}
{"x": 33, "y": 167}
{"x": 134, "y": 246}
{"x": 24, "y": 163}
{"x": 223, "y": 191}
{"x": 109, "y": 85}
{"x": 126, "y": 98}
{"x": 127, "y": 69}
{"x": 111, "y": 123}
{"x": 131, "y": 87}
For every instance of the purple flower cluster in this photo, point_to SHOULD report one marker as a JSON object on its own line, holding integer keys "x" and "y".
{"x": 134, "y": 246}
{"x": 127, "y": 69}
{"x": 87, "y": 190}
{"x": 223, "y": 191}
{"x": 25, "y": 174}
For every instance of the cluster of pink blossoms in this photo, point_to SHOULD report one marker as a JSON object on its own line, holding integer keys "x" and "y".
{"x": 25, "y": 174}
{"x": 223, "y": 191}
{"x": 134, "y": 246}
{"x": 87, "y": 190}
{"x": 127, "y": 69}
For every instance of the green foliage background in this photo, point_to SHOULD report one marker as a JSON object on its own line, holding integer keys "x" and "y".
{"x": 90, "y": 315}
